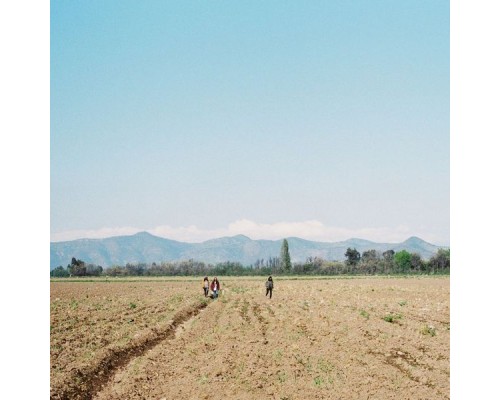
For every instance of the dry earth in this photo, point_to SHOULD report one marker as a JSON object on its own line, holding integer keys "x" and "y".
{"x": 361, "y": 338}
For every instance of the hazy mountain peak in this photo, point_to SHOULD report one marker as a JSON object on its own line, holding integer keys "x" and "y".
{"x": 416, "y": 240}
{"x": 146, "y": 248}
{"x": 143, "y": 234}
{"x": 240, "y": 236}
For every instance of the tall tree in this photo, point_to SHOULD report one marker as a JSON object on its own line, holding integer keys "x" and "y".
{"x": 388, "y": 255}
{"x": 77, "y": 267}
{"x": 286, "y": 264}
{"x": 403, "y": 261}
{"x": 352, "y": 256}
{"x": 416, "y": 262}
{"x": 369, "y": 255}
{"x": 440, "y": 260}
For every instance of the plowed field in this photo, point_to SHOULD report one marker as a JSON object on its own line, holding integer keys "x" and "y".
{"x": 361, "y": 338}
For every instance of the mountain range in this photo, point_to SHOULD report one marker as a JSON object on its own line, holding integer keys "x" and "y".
{"x": 147, "y": 248}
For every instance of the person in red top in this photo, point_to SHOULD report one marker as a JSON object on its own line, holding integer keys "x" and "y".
{"x": 215, "y": 287}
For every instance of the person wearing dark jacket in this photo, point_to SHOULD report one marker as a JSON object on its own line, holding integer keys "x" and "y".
{"x": 269, "y": 287}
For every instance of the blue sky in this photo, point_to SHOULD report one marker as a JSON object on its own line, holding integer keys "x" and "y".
{"x": 193, "y": 120}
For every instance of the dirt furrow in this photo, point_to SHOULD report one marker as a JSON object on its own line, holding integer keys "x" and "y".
{"x": 84, "y": 384}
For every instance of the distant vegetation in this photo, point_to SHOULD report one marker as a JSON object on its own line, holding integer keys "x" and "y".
{"x": 370, "y": 262}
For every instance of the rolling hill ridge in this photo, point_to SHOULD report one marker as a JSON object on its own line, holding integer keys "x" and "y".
{"x": 147, "y": 248}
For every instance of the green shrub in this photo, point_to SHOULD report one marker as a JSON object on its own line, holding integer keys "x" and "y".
{"x": 392, "y": 317}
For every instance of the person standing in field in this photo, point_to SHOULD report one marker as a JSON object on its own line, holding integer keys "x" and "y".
{"x": 215, "y": 287}
{"x": 206, "y": 285}
{"x": 269, "y": 287}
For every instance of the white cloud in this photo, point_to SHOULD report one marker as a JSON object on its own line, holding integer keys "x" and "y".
{"x": 92, "y": 233}
{"x": 310, "y": 230}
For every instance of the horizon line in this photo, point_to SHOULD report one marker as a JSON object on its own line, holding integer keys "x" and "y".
{"x": 246, "y": 236}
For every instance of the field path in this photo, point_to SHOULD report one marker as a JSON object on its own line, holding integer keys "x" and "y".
{"x": 219, "y": 343}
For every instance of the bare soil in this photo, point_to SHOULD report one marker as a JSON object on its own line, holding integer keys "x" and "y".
{"x": 361, "y": 338}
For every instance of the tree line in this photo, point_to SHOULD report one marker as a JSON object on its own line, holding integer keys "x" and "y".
{"x": 370, "y": 262}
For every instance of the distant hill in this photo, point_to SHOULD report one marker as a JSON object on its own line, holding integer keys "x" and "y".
{"x": 144, "y": 247}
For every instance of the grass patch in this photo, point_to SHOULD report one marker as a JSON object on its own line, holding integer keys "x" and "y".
{"x": 318, "y": 381}
{"x": 428, "y": 330}
{"x": 365, "y": 314}
{"x": 204, "y": 301}
{"x": 392, "y": 317}
{"x": 177, "y": 298}
{"x": 325, "y": 366}
{"x": 239, "y": 289}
